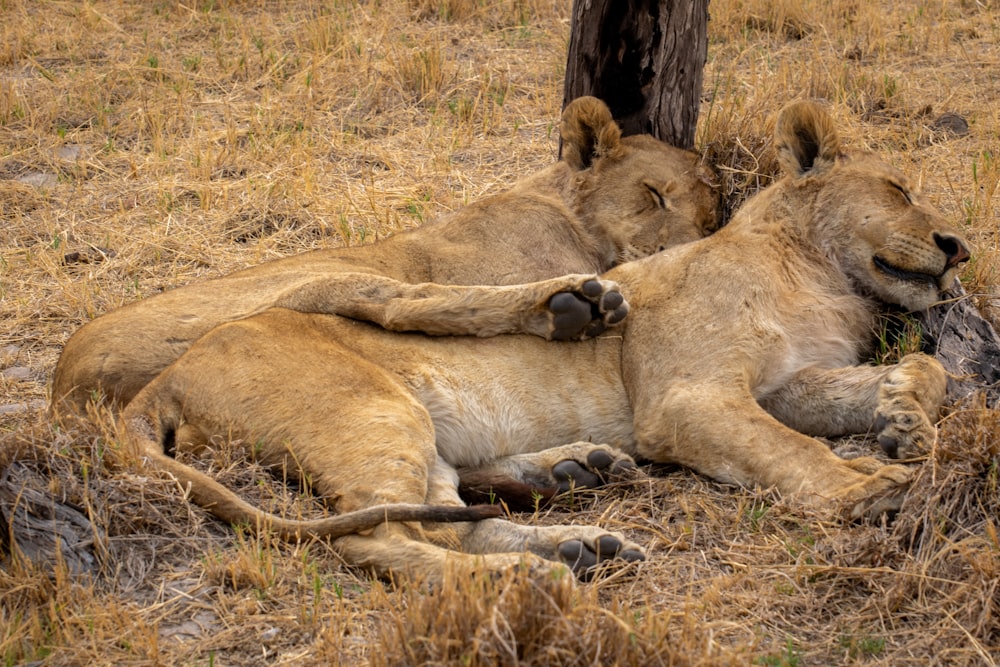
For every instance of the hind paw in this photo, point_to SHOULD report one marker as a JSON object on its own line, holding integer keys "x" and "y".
{"x": 590, "y": 466}
{"x": 590, "y": 556}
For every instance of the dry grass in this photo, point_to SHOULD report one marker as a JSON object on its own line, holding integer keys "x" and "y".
{"x": 144, "y": 145}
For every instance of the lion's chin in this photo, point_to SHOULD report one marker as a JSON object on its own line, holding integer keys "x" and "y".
{"x": 897, "y": 273}
{"x": 913, "y": 290}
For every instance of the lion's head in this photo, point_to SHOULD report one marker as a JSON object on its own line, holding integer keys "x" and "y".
{"x": 885, "y": 237}
{"x": 640, "y": 192}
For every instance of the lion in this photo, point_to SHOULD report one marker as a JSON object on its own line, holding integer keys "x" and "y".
{"x": 608, "y": 200}
{"x": 738, "y": 349}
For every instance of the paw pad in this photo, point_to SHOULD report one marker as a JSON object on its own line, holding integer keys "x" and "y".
{"x": 587, "y": 311}
{"x": 586, "y": 561}
{"x": 601, "y": 466}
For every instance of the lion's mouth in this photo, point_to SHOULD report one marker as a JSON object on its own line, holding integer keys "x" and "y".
{"x": 904, "y": 275}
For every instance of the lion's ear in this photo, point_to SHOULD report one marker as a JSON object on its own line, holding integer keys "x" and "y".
{"x": 805, "y": 139}
{"x": 588, "y": 131}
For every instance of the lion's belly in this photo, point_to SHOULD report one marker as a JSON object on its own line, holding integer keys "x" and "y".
{"x": 498, "y": 401}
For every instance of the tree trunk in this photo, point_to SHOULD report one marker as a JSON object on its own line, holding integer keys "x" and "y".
{"x": 644, "y": 58}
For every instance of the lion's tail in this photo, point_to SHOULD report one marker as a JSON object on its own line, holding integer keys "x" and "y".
{"x": 225, "y": 504}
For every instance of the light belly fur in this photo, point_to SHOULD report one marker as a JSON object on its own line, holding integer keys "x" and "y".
{"x": 482, "y": 410}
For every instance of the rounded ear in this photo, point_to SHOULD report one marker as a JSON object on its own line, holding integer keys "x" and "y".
{"x": 588, "y": 131}
{"x": 805, "y": 139}
{"x": 707, "y": 174}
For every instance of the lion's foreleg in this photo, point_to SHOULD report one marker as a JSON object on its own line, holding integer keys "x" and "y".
{"x": 722, "y": 432}
{"x": 828, "y": 402}
{"x": 908, "y": 405}
{"x": 898, "y": 402}
{"x": 566, "y": 308}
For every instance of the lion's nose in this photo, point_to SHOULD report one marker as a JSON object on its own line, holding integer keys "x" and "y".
{"x": 953, "y": 247}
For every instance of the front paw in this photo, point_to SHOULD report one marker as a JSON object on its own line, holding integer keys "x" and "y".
{"x": 911, "y": 394}
{"x": 586, "y": 310}
{"x": 883, "y": 491}
{"x": 905, "y": 434}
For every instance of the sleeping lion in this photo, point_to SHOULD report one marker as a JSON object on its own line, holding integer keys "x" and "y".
{"x": 610, "y": 199}
{"x": 739, "y": 348}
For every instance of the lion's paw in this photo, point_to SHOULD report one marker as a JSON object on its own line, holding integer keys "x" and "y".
{"x": 866, "y": 464}
{"x": 881, "y": 492}
{"x": 904, "y": 430}
{"x": 590, "y": 466}
{"x": 591, "y": 554}
{"x": 908, "y": 400}
{"x": 586, "y": 310}
{"x": 522, "y": 480}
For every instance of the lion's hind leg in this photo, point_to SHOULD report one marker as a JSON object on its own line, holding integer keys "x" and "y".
{"x": 586, "y": 550}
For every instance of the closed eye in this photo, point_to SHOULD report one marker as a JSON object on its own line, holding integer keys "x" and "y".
{"x": 659, "y": 194}
{"x": 903, "y": 191}
{"x": 657, "y": 197}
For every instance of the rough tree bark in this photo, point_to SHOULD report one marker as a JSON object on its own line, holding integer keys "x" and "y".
{"x": 644, "y": 58}
{"x": 965, "y": 343}
{"x": 41, "y": 528}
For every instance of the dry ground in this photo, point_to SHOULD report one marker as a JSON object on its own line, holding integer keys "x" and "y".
{"x": 144, "y": 145}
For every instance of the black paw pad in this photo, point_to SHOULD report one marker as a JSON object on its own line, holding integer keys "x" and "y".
{"x": 600, "y": 459}
{"x": 608, "y": 547}
{"x": 576, "y": 554}
{"x": 632, "y": 555}
{"x": 570, "y": 474}
{"x": 570, "y": 315}
{"x": 618, "y": 315}
{"x": 587, "y": 563}
{"x": 889, "y": 445}
{"x": 592, "y": 288}
{"x": 611, "y": 301}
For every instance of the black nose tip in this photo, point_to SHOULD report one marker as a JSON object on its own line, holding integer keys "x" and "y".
{"x": 953, "y": 247}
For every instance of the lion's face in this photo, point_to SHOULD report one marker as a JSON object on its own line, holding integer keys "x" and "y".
{"x": 900, "y": 249}
{"x": 640, "y": 193}
{"x": 653, "y": 197}
{"x": 886, "y": 238}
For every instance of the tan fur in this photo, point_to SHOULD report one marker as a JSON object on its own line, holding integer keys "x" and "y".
{"x": 609, "y": 200}
{"x": 739, "y": 347}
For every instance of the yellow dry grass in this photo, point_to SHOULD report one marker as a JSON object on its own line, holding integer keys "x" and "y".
{"x": 144, "y": 145}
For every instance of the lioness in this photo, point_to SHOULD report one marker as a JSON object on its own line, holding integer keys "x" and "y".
{"x": 738, "y": 346}
{"x": 609, "y": 200}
